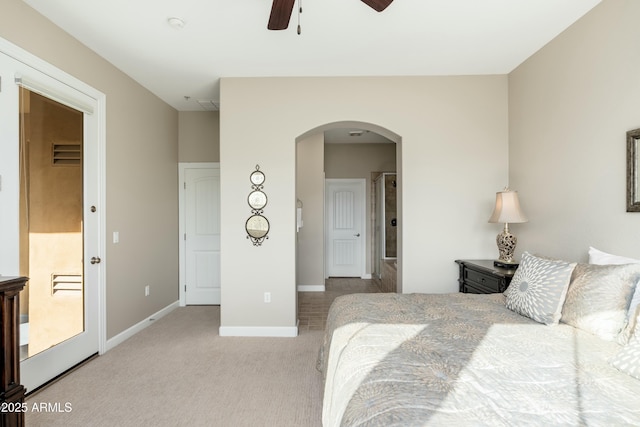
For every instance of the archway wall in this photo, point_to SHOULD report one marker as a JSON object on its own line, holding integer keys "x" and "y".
{"x": 310, "y": 184}
{"x": 452, "y": 157}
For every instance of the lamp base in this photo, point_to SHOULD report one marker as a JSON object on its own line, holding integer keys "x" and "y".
{"x": 506, "y": 245}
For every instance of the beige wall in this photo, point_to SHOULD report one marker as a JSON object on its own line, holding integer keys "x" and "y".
{"x": 141, "y": 171}
{"x": 359, "y": 160}
{"x": 570, "y": 106}
{"x": 310, "y": 190}
{"x": 199, "y": 136}
{"x": 453, "y": 158}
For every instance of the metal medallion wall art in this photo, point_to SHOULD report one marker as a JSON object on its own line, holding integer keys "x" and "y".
{"x": 257, "y": 225}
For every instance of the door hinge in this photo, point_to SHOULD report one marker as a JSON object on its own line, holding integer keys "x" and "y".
{"x": 185, "y": 288}
{"x": 185, "y": 236}
{"x": 185, "y": 185}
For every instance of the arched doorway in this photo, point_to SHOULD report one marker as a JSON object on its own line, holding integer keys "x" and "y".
{"x": 343, "y": 145}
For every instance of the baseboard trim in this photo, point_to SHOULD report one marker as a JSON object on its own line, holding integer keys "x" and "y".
{"x": 259, "y": 331}
{"x": 311, "y": 288}
{"x": 366, "y": 276}
{"x": 128, "y": 333}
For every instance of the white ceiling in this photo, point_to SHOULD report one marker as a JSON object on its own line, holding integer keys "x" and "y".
{"x": 229, "y": 38}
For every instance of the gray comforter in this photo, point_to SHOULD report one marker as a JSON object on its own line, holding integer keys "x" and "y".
{"x": 462, "y": 360}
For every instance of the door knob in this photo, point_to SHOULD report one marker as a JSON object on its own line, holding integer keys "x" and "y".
{"x": 95, "y": 260}
{"x": 357, "y": 235}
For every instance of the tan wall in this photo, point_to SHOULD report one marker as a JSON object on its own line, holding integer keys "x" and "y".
{"x": 570, "y": 106}
{"x": 359, "y": 160}
{"x": 310, "y": 190}
{"x": 141, "y": 170}
{"x": 199, "y": 136}
{"x": 453, "y": 158}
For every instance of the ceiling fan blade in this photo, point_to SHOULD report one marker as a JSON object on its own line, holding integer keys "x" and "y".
{"x": 378, "y": 5}
{"x": 280, "y": 14}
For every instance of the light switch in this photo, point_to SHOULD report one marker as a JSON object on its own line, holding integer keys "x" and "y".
{"x": 116, "y": 237}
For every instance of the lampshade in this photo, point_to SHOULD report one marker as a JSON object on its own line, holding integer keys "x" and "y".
{"x": 507, "y": 208}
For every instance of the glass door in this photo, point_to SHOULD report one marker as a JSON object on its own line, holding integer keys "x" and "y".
{"x": 51, "y": 235}
{"x": 49, "y": 150}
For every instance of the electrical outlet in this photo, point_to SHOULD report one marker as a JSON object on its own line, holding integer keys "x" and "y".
{"x": 146, "y": 291}
{"x": 267, "y": 297}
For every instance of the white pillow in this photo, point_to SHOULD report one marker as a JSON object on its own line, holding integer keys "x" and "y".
{"x": 598, "y": 257}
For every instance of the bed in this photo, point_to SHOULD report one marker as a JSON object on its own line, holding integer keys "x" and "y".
{"x": 467, "y": 359}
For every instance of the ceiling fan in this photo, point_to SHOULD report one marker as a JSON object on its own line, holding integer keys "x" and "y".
{"x": 281, "y": 11}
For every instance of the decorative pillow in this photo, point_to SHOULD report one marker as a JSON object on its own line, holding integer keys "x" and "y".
{"x": 628, "y": 358}
{"x": 598, "y": 298}
{"x": 538, "y": 288}
{"x": 598, "y": 257}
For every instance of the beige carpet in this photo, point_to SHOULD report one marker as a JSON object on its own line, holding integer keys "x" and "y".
{"x": 179, "y": 372}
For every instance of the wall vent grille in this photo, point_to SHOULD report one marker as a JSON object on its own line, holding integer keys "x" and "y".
{"x": 66, "y": 284}
{"x": 209, "y": 104}
{"x": 66, "y": 154}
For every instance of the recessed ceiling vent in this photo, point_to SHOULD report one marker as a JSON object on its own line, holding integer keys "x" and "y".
{"x": 209, "y": 104}
{"x": 66, "y": 154}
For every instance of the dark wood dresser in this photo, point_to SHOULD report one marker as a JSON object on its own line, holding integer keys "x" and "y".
{"x": 11, "y": 391}
{"x": 480, "y": 276}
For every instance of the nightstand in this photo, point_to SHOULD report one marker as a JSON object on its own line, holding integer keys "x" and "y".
{"x": 480, "y": 276}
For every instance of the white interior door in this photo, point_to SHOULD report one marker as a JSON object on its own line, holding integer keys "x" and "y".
{"x": 38, "y": 367}
{"x": 345, "y": 231}
{"x": 202, "y": 235}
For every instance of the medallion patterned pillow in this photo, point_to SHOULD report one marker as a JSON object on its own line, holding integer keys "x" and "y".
{"x": 628, "y": 358}
{"x": 538, "y": 288}
{"x": 598, "y": 299}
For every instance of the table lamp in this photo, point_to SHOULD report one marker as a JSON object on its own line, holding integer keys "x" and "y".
{"x": 507, "y": 210}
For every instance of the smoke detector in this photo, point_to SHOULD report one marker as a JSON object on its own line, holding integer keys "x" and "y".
{"x": 176, "y": 23}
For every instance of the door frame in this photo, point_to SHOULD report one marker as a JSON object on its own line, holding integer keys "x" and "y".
{"x": 363, "y": 218}
{"x": 182, "y": 227}
{"x": 99, "y": 111}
